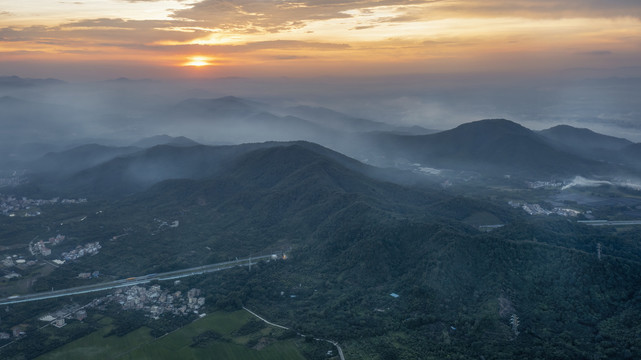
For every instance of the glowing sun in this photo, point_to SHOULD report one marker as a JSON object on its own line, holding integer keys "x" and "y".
{"x": 198, "y": 61}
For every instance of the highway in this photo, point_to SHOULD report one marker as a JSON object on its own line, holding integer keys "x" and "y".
{"x": 610, "y": 223}
{"x": 171, "y": 275}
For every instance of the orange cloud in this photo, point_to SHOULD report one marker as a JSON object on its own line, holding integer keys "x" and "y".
{"x": 380, "y": 35}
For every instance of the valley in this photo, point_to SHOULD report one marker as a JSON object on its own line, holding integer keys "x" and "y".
{"x": 486, "y": 240}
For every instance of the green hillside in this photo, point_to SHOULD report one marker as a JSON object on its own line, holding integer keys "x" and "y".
{"x": 353, "y": 241}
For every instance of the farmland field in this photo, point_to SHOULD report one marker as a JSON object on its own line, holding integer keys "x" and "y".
{"x": 139, "y": 344}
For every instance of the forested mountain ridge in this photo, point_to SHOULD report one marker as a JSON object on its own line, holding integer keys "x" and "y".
{"x": 489, "y": 147}
{"x": 353, "y": 240}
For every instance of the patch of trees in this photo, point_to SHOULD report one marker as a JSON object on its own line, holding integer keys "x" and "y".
{"x": 250, "y": 327}
{"x": 204, "y": 339}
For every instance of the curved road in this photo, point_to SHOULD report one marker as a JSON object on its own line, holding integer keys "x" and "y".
{"x": 338, "y": 347}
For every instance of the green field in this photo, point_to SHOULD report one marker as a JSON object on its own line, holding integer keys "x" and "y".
{"x": 139, "y": 344}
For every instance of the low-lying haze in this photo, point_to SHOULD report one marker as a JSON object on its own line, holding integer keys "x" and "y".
{"x": 130, "y": 108}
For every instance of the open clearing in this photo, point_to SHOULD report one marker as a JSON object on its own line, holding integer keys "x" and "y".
{"x": 139, "y": 344}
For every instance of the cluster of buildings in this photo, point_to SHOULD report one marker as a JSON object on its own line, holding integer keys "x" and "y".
{"x": 80, "y": 251}
{"x": 7, "y": 264}
{"x": 545, "y": 184}
{"x": 55, "y": 240}
{"x": 89, "y": 275}
{"x": 13, "y": 206}
{"x": 536, "y": 209}
{"x": 41, "y": 246}
{"x": 60, "y": 317}
{"x": 155, "y": 301}
{"x": 566, "y": 212}
{"x": 152, "y": 300}
{"x": 16, "y": 331}
{"x": 73, "y": 201}
{"x": 11, "y": 261}
{"x": 164, "y": 225}
{"x": 10, "y": 181}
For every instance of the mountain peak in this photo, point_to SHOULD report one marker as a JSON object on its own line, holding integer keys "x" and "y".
{"x": 582, "y": 138}
{"x": 493, "y": 124}
{"x": 165, "y": 140}
{"x": 567, "y": 129}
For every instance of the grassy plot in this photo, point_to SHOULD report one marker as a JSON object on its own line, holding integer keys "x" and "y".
{"x": 176, "y": 349}
{"x": 139, "y": 344}
{"x": 96, "y": 346}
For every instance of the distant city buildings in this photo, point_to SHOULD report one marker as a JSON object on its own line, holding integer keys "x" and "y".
{"x": 13, "y": 206}
{"x": 12, "y": 178}
{"x": 545, "y": 184}
{"x": 536, "y": 209}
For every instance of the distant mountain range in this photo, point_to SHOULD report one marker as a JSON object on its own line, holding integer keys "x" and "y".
{"x": 240, "y": 120}
{"x": 19, "y": 82}
{"x": 493, "y": 147}
{"x": 79, "y": 158}
{"x": 103, "y": 170}
{"x": 501, "y": 146}
{"x": 342, "y": 122}
{"x": 488, "y": 147}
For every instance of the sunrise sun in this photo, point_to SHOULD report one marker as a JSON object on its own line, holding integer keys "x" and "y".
{"x": 198, "y": 61}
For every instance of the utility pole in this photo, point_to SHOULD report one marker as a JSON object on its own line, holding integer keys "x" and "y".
{"x": 514, "y": 321}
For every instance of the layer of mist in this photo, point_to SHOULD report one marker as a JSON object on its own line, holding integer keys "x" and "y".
{"x": 400, "y": 122}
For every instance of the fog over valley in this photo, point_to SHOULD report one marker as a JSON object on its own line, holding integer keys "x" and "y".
{"x": 236, "y": 110}
{"x": 320, "y": 180}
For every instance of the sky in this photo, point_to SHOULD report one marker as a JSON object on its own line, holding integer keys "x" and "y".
{"x": 97, "y": 39}
{"x": 433, "y": 63}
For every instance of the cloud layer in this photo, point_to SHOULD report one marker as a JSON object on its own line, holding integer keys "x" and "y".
{"x": 379, "y": 35}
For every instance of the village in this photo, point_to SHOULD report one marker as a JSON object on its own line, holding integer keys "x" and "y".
{"x": 155, "y": 302}
{"x": 80, "y": 251}
{"x": 8, "y": 264}
{"x": 40, "y": 248}
{"x": 23, "y": 207}
{"x": 12, "y": 177}
{"x": 152, "y": 300}
{"x": 545, "y": 184}
{"x": 12, "y": 266}
{"x": 536, "y": 209}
